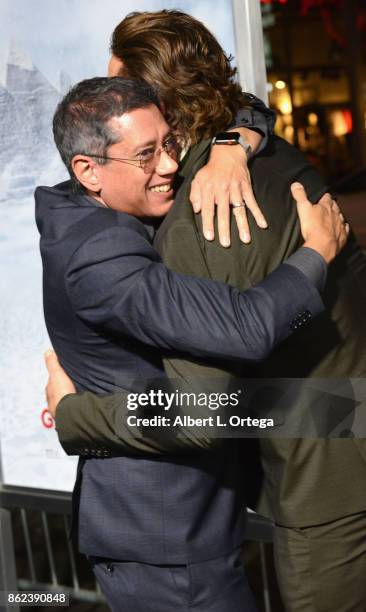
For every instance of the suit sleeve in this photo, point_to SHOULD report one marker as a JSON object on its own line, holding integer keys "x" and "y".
{"x": 93, "y": 425}
{"x": 117, "y": 283}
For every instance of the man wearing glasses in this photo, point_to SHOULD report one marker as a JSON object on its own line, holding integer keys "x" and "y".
{"x": 162, "y": 535}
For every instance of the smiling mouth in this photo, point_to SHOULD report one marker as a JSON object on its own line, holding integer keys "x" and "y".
{"x": 161, "y": 188}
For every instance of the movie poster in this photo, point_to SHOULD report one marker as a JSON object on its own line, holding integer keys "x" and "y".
{"x": 45, "y": 47}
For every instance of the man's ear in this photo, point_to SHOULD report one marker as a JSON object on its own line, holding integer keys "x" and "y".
{"x": 115, "y": 66}
{"x": 86, "y": 172}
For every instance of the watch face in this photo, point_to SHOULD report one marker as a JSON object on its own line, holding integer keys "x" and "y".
{"x": 227, "y": 137}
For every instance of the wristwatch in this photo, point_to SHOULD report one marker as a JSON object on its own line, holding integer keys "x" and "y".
{"x": 232, "y": 138}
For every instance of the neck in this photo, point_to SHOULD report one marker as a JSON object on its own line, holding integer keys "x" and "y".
{"x": 95, "y": 196}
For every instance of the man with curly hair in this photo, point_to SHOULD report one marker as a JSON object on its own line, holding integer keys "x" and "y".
{"x": 181, "y": 58}
{"x": 161, "y": 534}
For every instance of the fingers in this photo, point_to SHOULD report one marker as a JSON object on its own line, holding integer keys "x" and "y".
{"x": 59, "y": 384}
{"x": 219, "y": 204}
{"x": 51, "y": 361}
{"x": 343, "y": 235}
{"x": 344, "y": 226}
{"x": 299, "y": 194}
{"x": 326, "y": 200}
{"x": 223, "y": 219}
{"x": 336, "y": 211}
{"x": 203, "y": 201}
{"x": 208, "y": 215}
{"x": 304, "y": 207}
{"x": 340, "y": 227}
{"x": 335, "y": 207}
{"x": 240, "y": 213}
{"x": 206, "y": 196}
{"x": 252, "y": 204}
{"x": 195, "y": 196}
{"x": 241, "y": 219}
{"x": 329, "y": 202}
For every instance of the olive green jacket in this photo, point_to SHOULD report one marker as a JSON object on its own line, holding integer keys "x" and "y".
{"x": 305, "y": 481}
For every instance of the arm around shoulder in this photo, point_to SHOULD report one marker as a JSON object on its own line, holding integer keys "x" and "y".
{"x": 93, "y": 425}
{"x": 118, "y": 283}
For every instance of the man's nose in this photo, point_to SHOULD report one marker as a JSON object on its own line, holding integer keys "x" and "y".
{"x": 166, "y": 165}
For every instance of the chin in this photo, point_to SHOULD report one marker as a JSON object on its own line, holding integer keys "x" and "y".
{"x": 161, "y": 210}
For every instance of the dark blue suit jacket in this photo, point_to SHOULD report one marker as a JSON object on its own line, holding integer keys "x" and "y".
{"x": 111, "y": 307}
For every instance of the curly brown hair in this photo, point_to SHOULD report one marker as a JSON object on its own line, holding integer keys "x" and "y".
{"x": 177, "y": 55}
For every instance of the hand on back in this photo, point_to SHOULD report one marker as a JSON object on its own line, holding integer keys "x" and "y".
{"x": 323, "y": 226}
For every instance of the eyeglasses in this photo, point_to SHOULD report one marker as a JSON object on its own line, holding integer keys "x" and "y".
{"x": 148, "y": 159}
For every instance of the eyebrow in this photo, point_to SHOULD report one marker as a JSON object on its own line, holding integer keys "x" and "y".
{"x": 151, "y": 143}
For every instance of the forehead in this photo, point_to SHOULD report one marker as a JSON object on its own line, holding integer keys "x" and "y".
{"x": 141, "y": 125}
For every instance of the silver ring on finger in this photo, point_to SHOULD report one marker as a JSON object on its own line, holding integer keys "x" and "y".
{"x": 242, "y": 205}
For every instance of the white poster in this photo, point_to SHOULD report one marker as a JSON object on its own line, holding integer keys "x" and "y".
{"x": 44, "y": 48}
